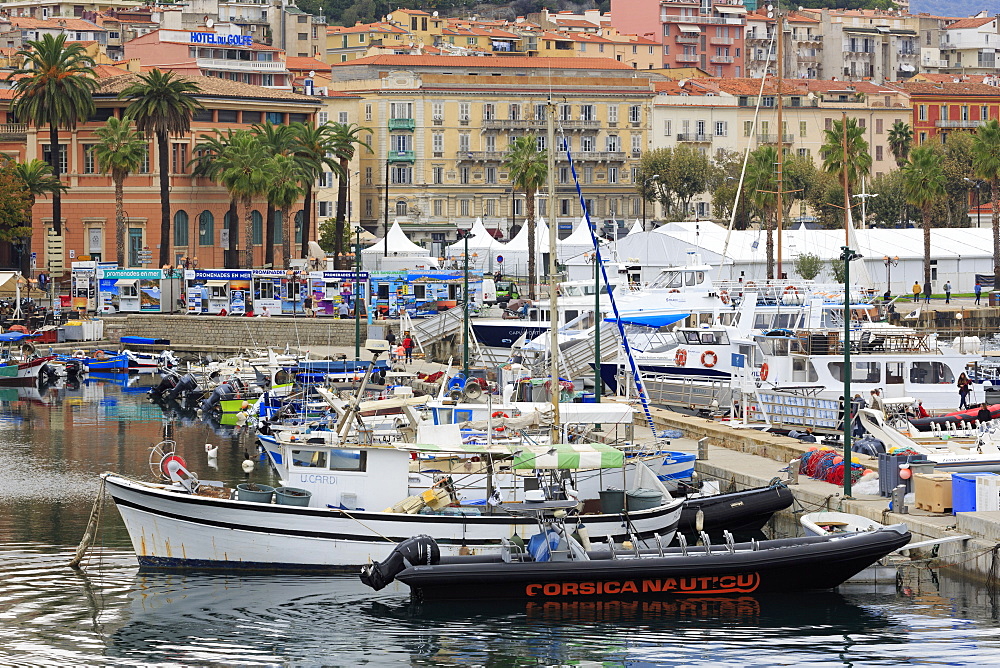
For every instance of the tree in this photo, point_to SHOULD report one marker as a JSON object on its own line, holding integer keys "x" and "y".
{"x": 314, "y": 147}
{"x": 986, "y": 165}
{"x": 900, "y": 140}
{"x": 283, "y": 192}
{"x": 279, "y": 140}
{"x": 762, "y": 188}
{"x": 528, "y": 169}
{"x": 120, "y": 152}
{"x": 924, "y": 184}
{"x": 346, "y": 140}
{"x": 858, "y": 160}
{"x": 15, "y": 207}
{"x": 808, "y": 265}
{"x": 691, "y": 172}
{"x": 55, "y": 89}
{"x": 38, "y": 180}
{"x": 206, "y": 162}
{"x": 724, "y": 186}
{"x": 246, "y": 172}
{"x": 162, "y": 105}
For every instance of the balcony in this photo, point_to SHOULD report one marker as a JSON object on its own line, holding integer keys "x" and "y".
{"x": 482, "y": 156}
{"x": 241, "y": 65}
{"x": 722, "y": 41}
{"x": 578, "y": 125}
{"x": 934, "y": 62}
{"x": 687, "y": 58}
{"x": 809, "y": 38}
{"x": 685, "y": 38}
{"x": 773, "y": 139}
{"x": 595, "y": 156}
{"x": 247, "y": 20}
{"x": 509, "y": 124}
{"x": 721, "y": 60}
{"x": 755, "y": 37}
{"x": 958, "y": 124}
{"x": 401, "y": 124}
{"x": 401, "y": 156}
{"x": 701, "y": 20}
{"x": 694, "y": 137}
{"x": 14, "y": 131}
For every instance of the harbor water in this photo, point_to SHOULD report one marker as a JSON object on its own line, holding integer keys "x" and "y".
{"x": 54, "y": 444}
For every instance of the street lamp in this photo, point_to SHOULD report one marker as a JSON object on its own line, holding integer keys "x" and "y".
{"x": 654, "y": 177}
{"x": 846, "y": 256}
{"x": 357, "y": 295}
{"x": 889, "y": 263}
{"x": 385, "y": 251}
{"x": 977, "y": 184}
{"x": 466, "y": 235}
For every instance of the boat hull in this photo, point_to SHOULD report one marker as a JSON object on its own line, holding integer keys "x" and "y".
{"x": 788, "y": 565}
{"x": 170, "y": 529}
{"x": 739, "y": 512}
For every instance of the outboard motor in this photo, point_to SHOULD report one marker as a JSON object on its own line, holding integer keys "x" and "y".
{"x": 217, "y": 395}
{"x": 187, "y": 383}
{"x": 168, "y": 382}
{"x": 75, "y": 368}
{"x": 420, "y": 550}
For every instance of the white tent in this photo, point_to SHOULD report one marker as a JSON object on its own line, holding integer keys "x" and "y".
{"x": 515, "y": 251}
{"x": 579, "y": 241}
{"x": 636, "y": 227}
{"x": 399, "y": 244}
{"x": 399, "y": 254}
{"x": 483, "y": 249}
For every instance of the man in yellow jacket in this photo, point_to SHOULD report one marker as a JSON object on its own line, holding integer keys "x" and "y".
{"x": 916, "y": 291}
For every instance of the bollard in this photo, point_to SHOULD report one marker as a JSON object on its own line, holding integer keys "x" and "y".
{"x": 898, "y": 494}
{"x": 703, "y": 448}
{"x": 793, "y": 472}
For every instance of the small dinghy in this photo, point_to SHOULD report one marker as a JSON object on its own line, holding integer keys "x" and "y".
{"x": 555, "y": 564}
{"x": 825, "y": 523}
{"x": 740, "y": 512}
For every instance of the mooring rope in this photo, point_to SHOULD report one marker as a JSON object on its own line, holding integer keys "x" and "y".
{"x": 91, "y": 532}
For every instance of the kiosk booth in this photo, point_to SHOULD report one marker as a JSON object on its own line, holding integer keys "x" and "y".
{"x": 329, "y": 289}
{"x": 138, "y": 291}
{"x": 420, "y": 292}
{"x": 268, "y": 290}
{"x": 84, "y": 283}
{"x": 209, "y": 291}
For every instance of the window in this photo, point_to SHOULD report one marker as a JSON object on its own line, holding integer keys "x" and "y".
{"x": 181, "y": 228}
{"x": 636, "y": 144}
{"x": 540, "y": 111}
{"x": 279, "y": 228}
{"x": 588, "y": 174}
{"x": 747, "y": 128}
{"x": 518, "y": 207}
{"x": 464, "y": 142}
{"x": 878, "y": 151}
{"x": 437, "y": 207}
{"x": 368, "y": 112}
{"x": 489, "y": 111}
{"x": 490, "y": 207}
{"x": 491, "y": 175}
{"x": 463, "y": 111}
{"x": 803, "y": 128}
{"x": 540, "y": 142}
{"x": 401, "y": 174}
{"x": 437, "y": 111}
{"x": 178, "y": 158}
{"x": 721, "y": 128}
{"x": 368, "y": 208}
{"x": 612, "y": 175}
{"x": 400, "y": 143}
{"x": 465, "y": 207}
{"x": 326, "y": 209}
{"x": 437, "y": 175}
{"x": 47, "y": 156}
{"x": 490, "y": 143}
{"x": 564, "y": 175}
{"x": 930, "y": 373}
{"x": 634, "y": 114}
{"x": 401, "y": 207}
{"x": 613, "y": 144}
{"x": 944, "y": 112}
{"x": 368, "y": 176}
{"x": 229, "y": 115}
{"x": 326, "y": 180}
{"x": 587, "y": 112}
{"x": 564, "y": 207}
{"x": 984, "y": 113}
{"x": 257, "y": 227}
{"x": 275, "y": 117}
{"x": 612, "y": 113}
{"x": 587, "y": 144}
{"x": 145, "y": 160}
{"x": 251, "y": 117}
{"x": 89, "y": 160}
{"x": 514, "y": 112}
{"x": 206, "y": 229}
{"x": 878, "y": 126}
{"x": 965, "y": 112}
{"x": 202, "y": 116}
{"x": 667, "y": 128}
{"x": 309, "y": 458}
{"x": 922, "y": 112}
{"x": 463, "y": 175}
{"x": 403, "y": 110}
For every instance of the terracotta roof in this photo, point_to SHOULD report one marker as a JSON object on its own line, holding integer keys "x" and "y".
{"x": 296, "y": 63}
{"x": 210, "y": 87}
{"x": 963, "y": 88}
{"x": 51, "y": 24}
{"x": 106, "y": 71}
{"x": 513, "y": 62}
{"x": 7, "y": 93}
{"x": 411, "y": 11}
{"x": 674, "y": 88}
{"x": 970, "y": 23}
{"x": 365, "y": 27}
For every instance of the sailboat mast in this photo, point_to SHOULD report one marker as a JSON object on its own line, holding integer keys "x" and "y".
{"x": 847, "y": 195}
{"x": 779, "y": 213}
{"x": 550, "y": 142}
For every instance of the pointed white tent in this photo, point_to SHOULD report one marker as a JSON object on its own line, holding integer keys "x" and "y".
{"x": 400, "y": 253}
{"x": 399, "y": 244}
{"x": 483, "y": 249}
{"x": 636, "y": 227}
{"x": 578, "y": 242}
{"x": 515, "y": 251}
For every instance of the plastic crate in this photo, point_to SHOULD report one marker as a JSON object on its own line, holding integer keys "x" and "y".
{"x": 888, "y": 472}
{"x": 963, "y": 491}
{"x": 932, "y": 492}
{"x": 988, "y": 492}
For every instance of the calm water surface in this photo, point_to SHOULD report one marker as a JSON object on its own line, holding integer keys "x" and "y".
{"x": 54, "y": 445}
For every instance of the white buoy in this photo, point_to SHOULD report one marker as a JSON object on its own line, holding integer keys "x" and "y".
{"x": 211, "y": 450}
{"x": 248, "y": 466}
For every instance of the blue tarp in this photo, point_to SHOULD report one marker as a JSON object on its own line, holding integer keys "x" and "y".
{"x": 14, "y": 336}
{"x": 655, "y": 321}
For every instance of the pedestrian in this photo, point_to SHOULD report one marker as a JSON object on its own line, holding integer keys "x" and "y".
{"x": 984, "y": 415}
{"x": 964, "y": 387}
{"x": 857, "y": 403}
{"x": 921, "y": 412}
{"x": 979, "y": 292}
{"x": 927, "y": 292}
{"x": 307, "y": 307}
{"x": 344, "y": 311}
{"x": 876, "y": 401}
{"x": 916, "y": 291}
{"x": 390, "y": 337}
{"x": 947, "y": 292}
{"x": 408, "y": 346}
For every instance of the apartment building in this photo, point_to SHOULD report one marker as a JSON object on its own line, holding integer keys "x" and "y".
{"x": 350, "y": 42}
{"x": 940, "y": 108}
{"x": 717, "y": 115}
{"x": 969, "y": 46}
{"x": 802, "y": 46}
{"x": 442, "y": 126}
{"x": 703, "y": 33}
{"x": 16, "y": 31}
{"x": 867, "y": 44}
{"x": 200, "y": 208}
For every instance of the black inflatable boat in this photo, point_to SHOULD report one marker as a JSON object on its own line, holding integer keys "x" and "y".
{"x": 738, "y": 512}
{"x": 954, "y": 420}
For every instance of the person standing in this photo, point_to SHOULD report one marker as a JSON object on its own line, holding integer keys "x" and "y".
{"x": 916, "y": 291}
{"x": 408, "y": 346}
{"x": 390, "y": 337}
{"x": 979, "y": 292}
{"x": 307, "y": 306}
{"x": 927, "y": 292}
{"x": 947, "y": 292}
{"x": 344, "y": 311}
{"x": 964, "y": 388}
{"x": 920, "y": 411}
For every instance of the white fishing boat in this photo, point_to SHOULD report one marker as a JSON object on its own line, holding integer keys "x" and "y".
{"x": 831, "y": 522}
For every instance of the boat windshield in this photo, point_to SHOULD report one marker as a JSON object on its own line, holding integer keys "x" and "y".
{"x": 668, "y": 279}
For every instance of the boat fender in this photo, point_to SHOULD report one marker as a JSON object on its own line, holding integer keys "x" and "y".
{"x": 421, "y": 550}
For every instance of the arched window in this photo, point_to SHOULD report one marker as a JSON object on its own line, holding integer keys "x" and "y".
{"x": 257, "y": 222}
{"x": 401, "y": 207}
{"x": 206, "y": 228}
{"x": 298, "y": 227}
{"x": 181, "y": 228}
{"x": 279, "y": 228}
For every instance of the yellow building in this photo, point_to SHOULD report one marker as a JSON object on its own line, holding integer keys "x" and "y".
{"x": 442, "y": 126}
{"x": 345, "y": 43}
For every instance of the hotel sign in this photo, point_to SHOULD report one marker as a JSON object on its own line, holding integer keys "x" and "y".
{"x": 227, "y": 40}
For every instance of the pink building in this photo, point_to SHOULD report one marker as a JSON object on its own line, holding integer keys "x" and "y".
{"x": 211, "y": 54}
{"x": 693, "y": 33}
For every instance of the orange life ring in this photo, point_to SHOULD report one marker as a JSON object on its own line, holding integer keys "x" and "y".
{"x": 499, "y": 414}
{"x": 681, "y": 357}
{"x": 763, "y": 371}
{"x": 709, "y": 358}
{"x": 791, "y": 288}
{"x": 674, "y": 290}
{"x": 724, "y": 296}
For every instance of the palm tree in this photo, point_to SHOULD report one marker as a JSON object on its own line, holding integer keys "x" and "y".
{"x": 314, "y": 148}
{"x": 246, "y": 171}
{"x": 162, "y": 105}
{"x": 56, "y": 89}
{"x": 923, "y": 185}
{"x": 280, "y": 140}
{"x": 283, "y": 192}
{"x": 346, "y": 140}
{"x": 121, "y": 151}
{"x": 986, "y": 165}
{"x": 900, "y": 140}
{"x": 859, "y": 160}
{"x": 528, "y": 169}
{"x": 38, "y": 181}
{"x": 762, "y": 180}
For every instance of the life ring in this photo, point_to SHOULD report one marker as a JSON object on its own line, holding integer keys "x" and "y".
{"x": 750, "y": 286}
{"x": 681, "y": 357}
{"x": 499, "y": 414}
{"x": 709, "y": 358}
{"x": 674, "y": 290}
{"x": 724, "y": 296}
{"x": 791, "y": 288}
{"x": 763, "y": 371}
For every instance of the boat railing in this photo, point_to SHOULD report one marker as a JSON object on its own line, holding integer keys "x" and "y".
{"x": 789, "y": 289}
{"x": 831, "y": 342}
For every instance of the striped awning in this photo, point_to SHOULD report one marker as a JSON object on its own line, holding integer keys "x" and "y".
{"x": 569, "y": 456}
{"x": 687, "y": 27}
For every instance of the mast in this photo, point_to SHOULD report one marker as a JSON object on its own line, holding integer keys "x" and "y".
{"x": 779, "y": 214}
{"x": 550, "y": 142}
{"x": 847, "y": 195}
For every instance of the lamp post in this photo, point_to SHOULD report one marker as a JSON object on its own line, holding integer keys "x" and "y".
{"x": 977, "y": 184}
{"x": 385, "y": 250}
{"x": 847, "y": 255}
{"x": 357, "y": 294}
{"x": 889, "y": 263}
{"x": 864, "y": 197}
{"x": 654, "y": 177}
{"x": 465, "y": 227}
